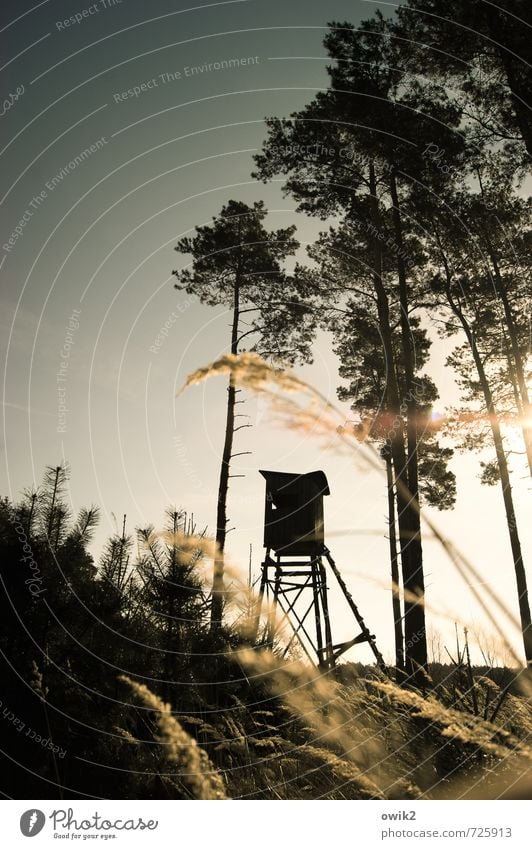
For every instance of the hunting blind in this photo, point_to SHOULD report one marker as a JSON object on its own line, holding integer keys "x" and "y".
{"x": 293, "y": 520}
{"x": 294, "y": 528}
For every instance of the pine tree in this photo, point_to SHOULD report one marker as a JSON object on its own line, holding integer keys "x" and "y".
{"x": 172, "y": 595}
{"x": 238, "y": 263}
{"x": 342, "y": 256}
{"x": 342, "y": 157}
{"x": 479, "y": 51}
{"x": 460, "y": 287}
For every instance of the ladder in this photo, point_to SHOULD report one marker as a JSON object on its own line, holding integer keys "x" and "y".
{"x": 365, "y": 636}
{"x": 285, "y": 581}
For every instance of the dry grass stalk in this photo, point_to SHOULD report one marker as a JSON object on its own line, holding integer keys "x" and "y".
{"x": 180, "y": 751}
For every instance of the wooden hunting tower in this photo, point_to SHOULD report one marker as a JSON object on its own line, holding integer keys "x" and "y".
{"x": 293, "y": 520}
{"x": 294, "y": 528}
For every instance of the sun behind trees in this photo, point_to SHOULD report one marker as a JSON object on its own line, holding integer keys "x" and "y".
{"x": 364, "y": 151}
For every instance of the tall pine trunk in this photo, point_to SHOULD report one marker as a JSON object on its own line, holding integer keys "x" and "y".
{"x": 218, "y": 591}
{"x": 394, "y": 569}
{"x": 408, "y": 352}
{"x": 407, "y": 507}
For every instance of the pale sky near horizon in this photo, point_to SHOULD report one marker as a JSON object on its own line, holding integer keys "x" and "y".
{"x": 101, "y": 242}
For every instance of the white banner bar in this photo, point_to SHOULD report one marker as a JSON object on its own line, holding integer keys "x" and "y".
{"x": 250, "y": 825}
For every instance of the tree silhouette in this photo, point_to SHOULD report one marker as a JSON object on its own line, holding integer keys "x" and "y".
{"x": 480, "y": 49}
{"x": 342, "y": 257}
{"x": 238, "y": 263}
{"x": 357, "y": 151}
{"x": 460, "y": 286}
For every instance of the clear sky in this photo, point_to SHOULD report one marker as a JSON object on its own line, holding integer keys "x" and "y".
{"x": 90, "y": 265}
